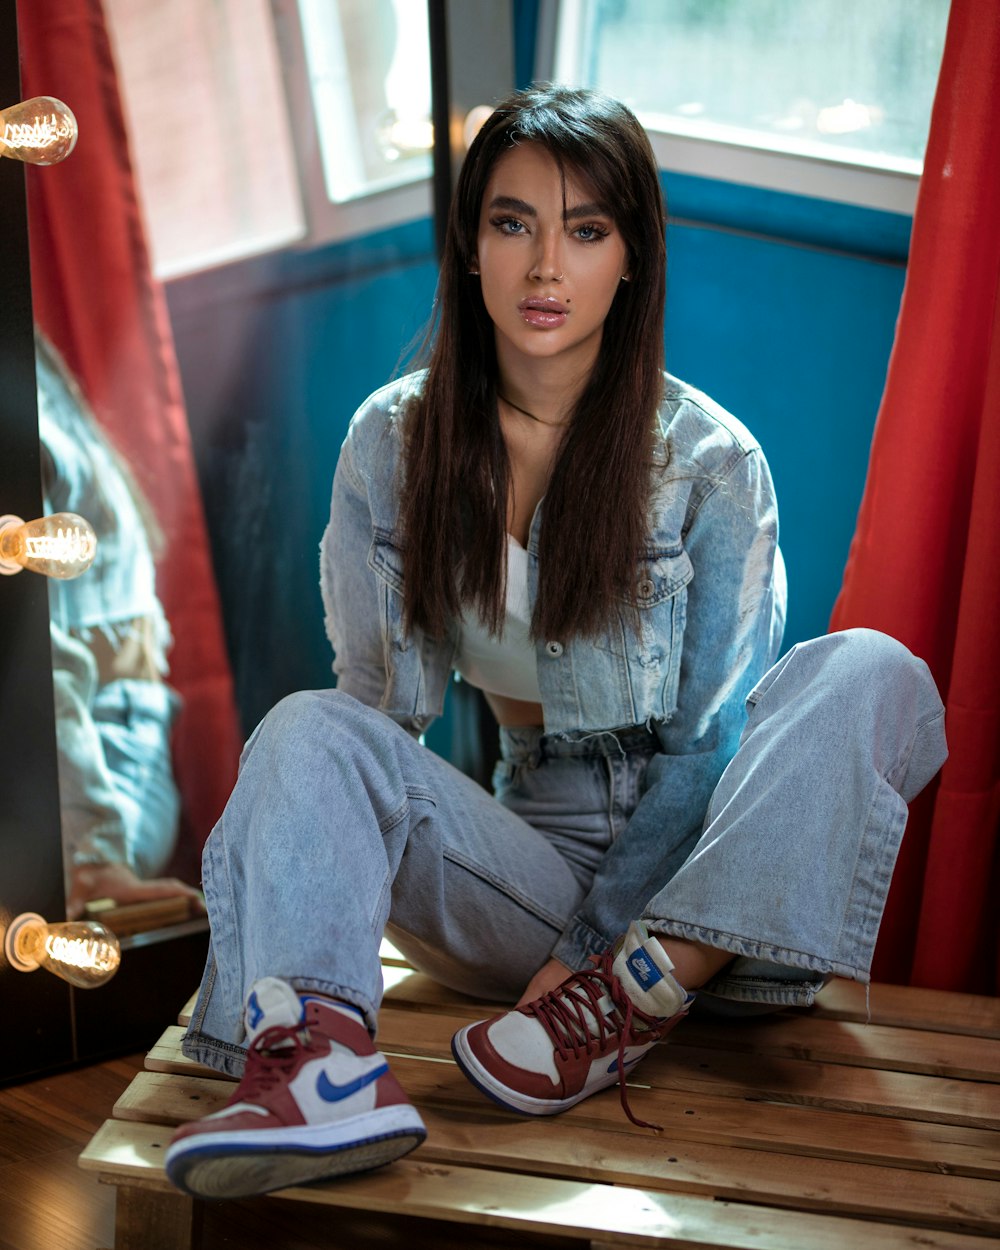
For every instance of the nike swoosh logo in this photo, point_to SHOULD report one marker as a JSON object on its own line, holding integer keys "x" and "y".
{"x": 613, "y": 1066}
{"x": 335, "y": 1093}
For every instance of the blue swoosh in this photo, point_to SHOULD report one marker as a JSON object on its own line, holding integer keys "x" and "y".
{"x": 334, "y": 1093}
{"x": 613, "y": 1066}
{"x": 254, "y": 1012}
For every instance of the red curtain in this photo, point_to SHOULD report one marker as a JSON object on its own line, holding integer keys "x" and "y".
{"x": 96, "y": 299}
{"x": 924, "y": 564}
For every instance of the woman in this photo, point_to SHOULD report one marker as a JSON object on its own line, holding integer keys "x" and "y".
{"x": 618, "y": 629}
{"x": 118, "y": 798}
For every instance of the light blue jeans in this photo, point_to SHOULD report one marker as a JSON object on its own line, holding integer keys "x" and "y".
{"x": 342, "y": 826}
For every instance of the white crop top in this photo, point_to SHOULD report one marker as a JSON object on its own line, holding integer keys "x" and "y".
{"x": 506, "y": 665}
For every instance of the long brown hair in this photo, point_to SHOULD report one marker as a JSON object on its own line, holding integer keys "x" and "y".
{"x": 457, "y": 473}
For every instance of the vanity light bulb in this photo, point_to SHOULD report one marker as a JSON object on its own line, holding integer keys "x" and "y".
{"x": 39, "y": 131}
{"x": 81, "y": 952}
{"x": 62, "y": 545}
{"x": 402, "y": 136}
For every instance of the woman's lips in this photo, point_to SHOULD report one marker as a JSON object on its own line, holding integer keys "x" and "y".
{"x": 545, "y": 314}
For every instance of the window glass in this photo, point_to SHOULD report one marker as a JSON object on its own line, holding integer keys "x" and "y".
{"x": 208, "y": 129}
{"x": 369, "y": 66}
{"x": 851, "y": 80}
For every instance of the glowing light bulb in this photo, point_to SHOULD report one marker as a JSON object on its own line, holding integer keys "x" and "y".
{"x": 401, "y": 137}
{"x": 475, "y": 119}
{"x": 62, "y": 545}
{"x": 39, "y": 131}
{"x": 81, "y": 952}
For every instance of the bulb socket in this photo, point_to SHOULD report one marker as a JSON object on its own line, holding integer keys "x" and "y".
{"x": 21, "y": 942}
{"x": 8, "y": 522}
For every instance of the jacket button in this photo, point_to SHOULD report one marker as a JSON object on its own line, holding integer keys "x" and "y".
{"x": 554, "y": 649}
{"x": 646, "y": 588}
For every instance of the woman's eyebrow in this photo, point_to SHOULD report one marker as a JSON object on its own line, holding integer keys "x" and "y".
{"x": 585, "y": 210}
{"x": 512, "y": 204}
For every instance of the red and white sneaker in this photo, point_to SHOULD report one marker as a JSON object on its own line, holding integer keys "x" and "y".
{"x": 579, "y": 1038}
{"x": 316, "y": 1100}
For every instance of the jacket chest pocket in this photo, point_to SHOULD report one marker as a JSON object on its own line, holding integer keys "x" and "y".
{"x": 651, "y": 649}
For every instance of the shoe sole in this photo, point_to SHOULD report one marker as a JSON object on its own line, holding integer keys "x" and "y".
{"x": 219, "y": 1165}
{"x": 506, "y": 1097}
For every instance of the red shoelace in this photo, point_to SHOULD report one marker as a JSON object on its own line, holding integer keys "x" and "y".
{"x": 570, "y": 1012}
{"x": 270, "y": 1060}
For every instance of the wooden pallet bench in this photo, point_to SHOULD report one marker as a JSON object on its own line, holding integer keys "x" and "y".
{"x": 809, "y": 1130}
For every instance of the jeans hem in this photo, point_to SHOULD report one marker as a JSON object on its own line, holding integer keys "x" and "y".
{"x": 780, "y": 990}
{"x": 225, "y": 1057}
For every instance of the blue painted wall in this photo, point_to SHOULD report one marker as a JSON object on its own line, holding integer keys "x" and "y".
{"x": 791, "y": 333}
{"x": 275, "y": 356}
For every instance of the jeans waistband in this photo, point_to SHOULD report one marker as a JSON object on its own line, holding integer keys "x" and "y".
{"x": 528, "y": 745}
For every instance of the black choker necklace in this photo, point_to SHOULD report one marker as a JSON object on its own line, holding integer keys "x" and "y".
{"x": 517, "y": 408}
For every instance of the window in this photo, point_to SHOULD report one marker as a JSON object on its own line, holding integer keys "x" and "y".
{"x": 259, "y": 124}
{"x": 770, "y": 91}
{"x": 208, "y": 128}
{"x": 372, "y": 59}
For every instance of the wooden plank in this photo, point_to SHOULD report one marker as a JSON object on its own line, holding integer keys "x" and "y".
{"x": 166, "y": 1056}
{"x": 905, "y": 1006}
{"x": 595, "y": 1137}
{"x": 561, "y": 1147}
{"x": 821, "y": 1133}
{"x": 149, "y": 1220}
{"x": 170, "y": 1099}
{"x": 865, "y": 1045}
{"x": 402, "y": 987}
{"x": 895, "y": 1006}
{"x": 868, "y": 1046}
{"x": 390, "y": 956}
{"x": 187, "y": 1011}
{"x": 797, "y": 1082}
{"x": 495, "y": 1198}
{"x": 131, "y": 918}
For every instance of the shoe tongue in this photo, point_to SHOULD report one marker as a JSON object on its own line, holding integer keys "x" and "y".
{"x": 271, "y": 1002}
{"x": 645, "y": 972}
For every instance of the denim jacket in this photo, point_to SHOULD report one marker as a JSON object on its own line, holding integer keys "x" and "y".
{"x": 710, "y": 588}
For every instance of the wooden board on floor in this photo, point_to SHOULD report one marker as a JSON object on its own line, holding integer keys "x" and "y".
{"x": 811, "y": 1128}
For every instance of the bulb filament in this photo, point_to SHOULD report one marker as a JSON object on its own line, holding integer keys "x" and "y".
{"x": 68, "y": 546}
{"x": 89, "y": 953}
{"x": 42, "y": 133}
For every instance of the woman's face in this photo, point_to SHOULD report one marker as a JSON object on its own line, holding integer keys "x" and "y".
{"x": 550, "y": 261}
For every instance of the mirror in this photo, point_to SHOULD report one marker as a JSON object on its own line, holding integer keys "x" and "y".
{"x": 202, "y": 608}
{"x": 146, "y": 726}
{"x": 120, "y": 804}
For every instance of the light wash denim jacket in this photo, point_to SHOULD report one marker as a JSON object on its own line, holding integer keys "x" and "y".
{"x": 711, "y": 594}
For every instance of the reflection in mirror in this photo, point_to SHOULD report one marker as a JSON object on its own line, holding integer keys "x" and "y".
{"x": 119, "y": 801}
{"x": 147, "y": 732}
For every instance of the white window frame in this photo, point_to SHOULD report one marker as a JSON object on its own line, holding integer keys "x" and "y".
{"x": 329, "y": 222}
{"x": 729, "y": 154}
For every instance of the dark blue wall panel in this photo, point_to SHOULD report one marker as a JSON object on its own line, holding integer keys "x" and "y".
{"x": 275, "y": 357}
{"x": 794, "y": 341}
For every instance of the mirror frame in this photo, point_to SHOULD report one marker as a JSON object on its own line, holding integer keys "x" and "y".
{"x": 53, "y": 1024}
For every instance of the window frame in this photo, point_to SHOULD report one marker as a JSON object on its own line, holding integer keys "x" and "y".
{"x": 327, "y": 221}
{"x": 733, "y": 157}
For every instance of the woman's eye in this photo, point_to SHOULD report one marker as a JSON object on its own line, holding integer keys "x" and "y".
{"x": 590, "y": 234}
{"x": 509, "y": 225}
